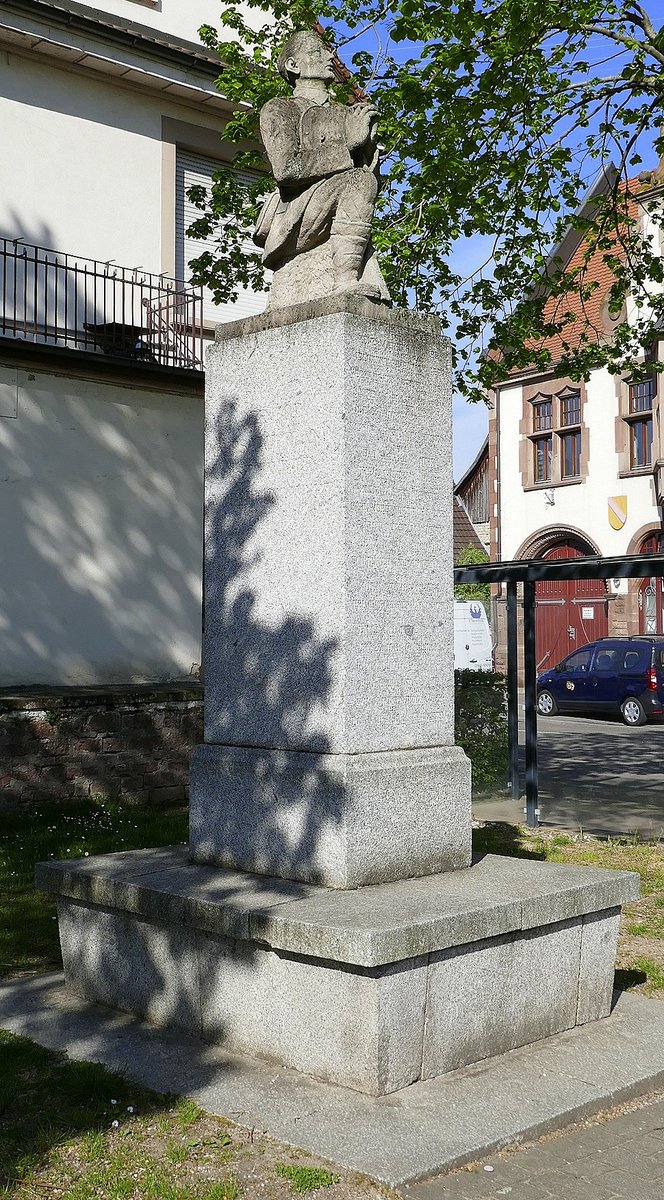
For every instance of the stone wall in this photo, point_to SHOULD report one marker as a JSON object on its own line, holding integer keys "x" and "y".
{"x": 57, "y": 744}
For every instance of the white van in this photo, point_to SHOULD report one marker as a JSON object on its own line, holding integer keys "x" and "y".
{"x": 472, "y": 637}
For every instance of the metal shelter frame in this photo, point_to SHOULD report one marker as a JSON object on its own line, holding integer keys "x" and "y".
{"x": 528, "y": 572}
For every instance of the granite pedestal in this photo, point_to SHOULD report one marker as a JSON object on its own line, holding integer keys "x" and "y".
{"x": 326, "y": 915}
{"x": 328, "y": 651}
{"x": 372, "y": 989}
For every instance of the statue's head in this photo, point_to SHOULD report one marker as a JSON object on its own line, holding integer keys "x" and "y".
{"x": 305, "y": 56}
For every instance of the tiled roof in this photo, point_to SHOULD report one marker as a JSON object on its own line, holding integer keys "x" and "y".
{"x": 463, "y": 531}
{"x": 590, "y": 315}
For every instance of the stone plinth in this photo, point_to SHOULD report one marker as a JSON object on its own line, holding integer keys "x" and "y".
{"x": 372, "y": 989}
{"x": 328, "y": 649}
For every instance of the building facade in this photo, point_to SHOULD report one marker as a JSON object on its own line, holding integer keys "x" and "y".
{"x": 576, "y": 469}
{"x": 108, "y": 113}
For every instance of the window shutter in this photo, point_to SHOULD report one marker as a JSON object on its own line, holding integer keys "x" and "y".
{"x": 193, "y": 169}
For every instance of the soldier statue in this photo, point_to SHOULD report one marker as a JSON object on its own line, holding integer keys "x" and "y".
{"x": 324, "y": 157}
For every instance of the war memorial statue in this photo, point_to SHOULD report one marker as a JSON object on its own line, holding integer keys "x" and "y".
{"x": 315, "y": 229}
{"x": 327, "y": 914}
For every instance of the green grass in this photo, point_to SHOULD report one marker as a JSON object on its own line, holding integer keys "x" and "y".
{"x": 79, "y": 1131}
{"x": 28, "y": 928}
{"x": 306, "y": 1179}
{"x": 654, "y": 972}
{"x": 622, "y": 854}
{"x": 46, "y": 1101}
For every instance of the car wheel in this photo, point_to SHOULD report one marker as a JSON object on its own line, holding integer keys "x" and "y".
{"x": 633, "y": 712}
{"x": 546, "y": 705}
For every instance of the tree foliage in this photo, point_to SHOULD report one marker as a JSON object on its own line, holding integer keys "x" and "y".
{"x": 472, "y": 556}
{"x": 496, "y": 117}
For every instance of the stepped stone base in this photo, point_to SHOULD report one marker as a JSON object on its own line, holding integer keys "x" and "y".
{"x": 372, "y": 989}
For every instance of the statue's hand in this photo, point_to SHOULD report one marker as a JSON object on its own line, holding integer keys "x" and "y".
{"x": 361, "y": 121}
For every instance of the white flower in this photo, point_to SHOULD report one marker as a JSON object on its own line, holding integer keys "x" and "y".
{"x": 113, "y": 1101}
{"x": 129, "y": 1108}
{"x": 114, "y": 1124}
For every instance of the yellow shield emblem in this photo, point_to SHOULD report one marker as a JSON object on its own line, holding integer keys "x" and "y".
{"x": 617, "y": 511}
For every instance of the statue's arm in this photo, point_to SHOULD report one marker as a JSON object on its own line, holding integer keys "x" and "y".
{"x": 292, "y": 161}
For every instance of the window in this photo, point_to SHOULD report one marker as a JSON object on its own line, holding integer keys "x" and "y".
{"x": 570, "y": 408}
{"x": 570, "y": 464}
{"x": 194, "y": 169}
{"x": 542, "y": 414}
{"x": 634, "y": 660}
{"x": 606, "y": 661}
{"x": 543, "y": 456}
{"x": 641, "y": 394}
{"x": 641, "y": 443}
{"x": 556, "y": 455}
{"x": 577, "y": 662}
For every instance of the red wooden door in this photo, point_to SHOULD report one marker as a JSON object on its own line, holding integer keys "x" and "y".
{"x": 568, "y": 613}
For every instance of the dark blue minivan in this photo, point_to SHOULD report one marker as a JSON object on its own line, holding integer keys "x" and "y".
{"x": 612, "y": 675}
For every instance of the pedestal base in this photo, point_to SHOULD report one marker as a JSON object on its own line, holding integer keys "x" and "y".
{"x": 371, "y": 989}
{"x": 339, "y": 820}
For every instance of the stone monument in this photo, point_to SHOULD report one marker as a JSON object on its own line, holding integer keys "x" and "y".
{"x": 326, "y": 913}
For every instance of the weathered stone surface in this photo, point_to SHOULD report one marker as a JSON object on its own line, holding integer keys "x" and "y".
{"x": 167, "y": 887}
{"x": 371, "y": 988}
{"x": 328, "y": 576}
{"x": 340, "y": 820}
{"x": 135, "y": 965}
{"x": 368, "y": 927}
{"x": 362, "y": 1029}
{"x": 311, "y": 310}
{"x": 492, "y": 996}
{"x": 599, "y": 944}
{"x": 329, "y": 632}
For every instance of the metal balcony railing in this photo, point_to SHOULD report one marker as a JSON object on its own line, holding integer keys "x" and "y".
{"x": 53, "y": 299}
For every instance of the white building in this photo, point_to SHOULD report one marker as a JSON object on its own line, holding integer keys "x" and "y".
{"x": 108, "y": 112}
{"x": 576, "y": 469}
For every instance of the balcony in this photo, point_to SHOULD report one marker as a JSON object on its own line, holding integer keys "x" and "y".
{"x": 60, "y": 301}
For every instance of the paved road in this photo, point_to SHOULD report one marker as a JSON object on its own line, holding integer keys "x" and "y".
{"x": 601, "y": 1160}
{"x": 595, "y": 773}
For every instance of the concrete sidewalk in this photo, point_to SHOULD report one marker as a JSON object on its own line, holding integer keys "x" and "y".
{"x": 429, "y": 1127}
{"x": 612, "y": 1157}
